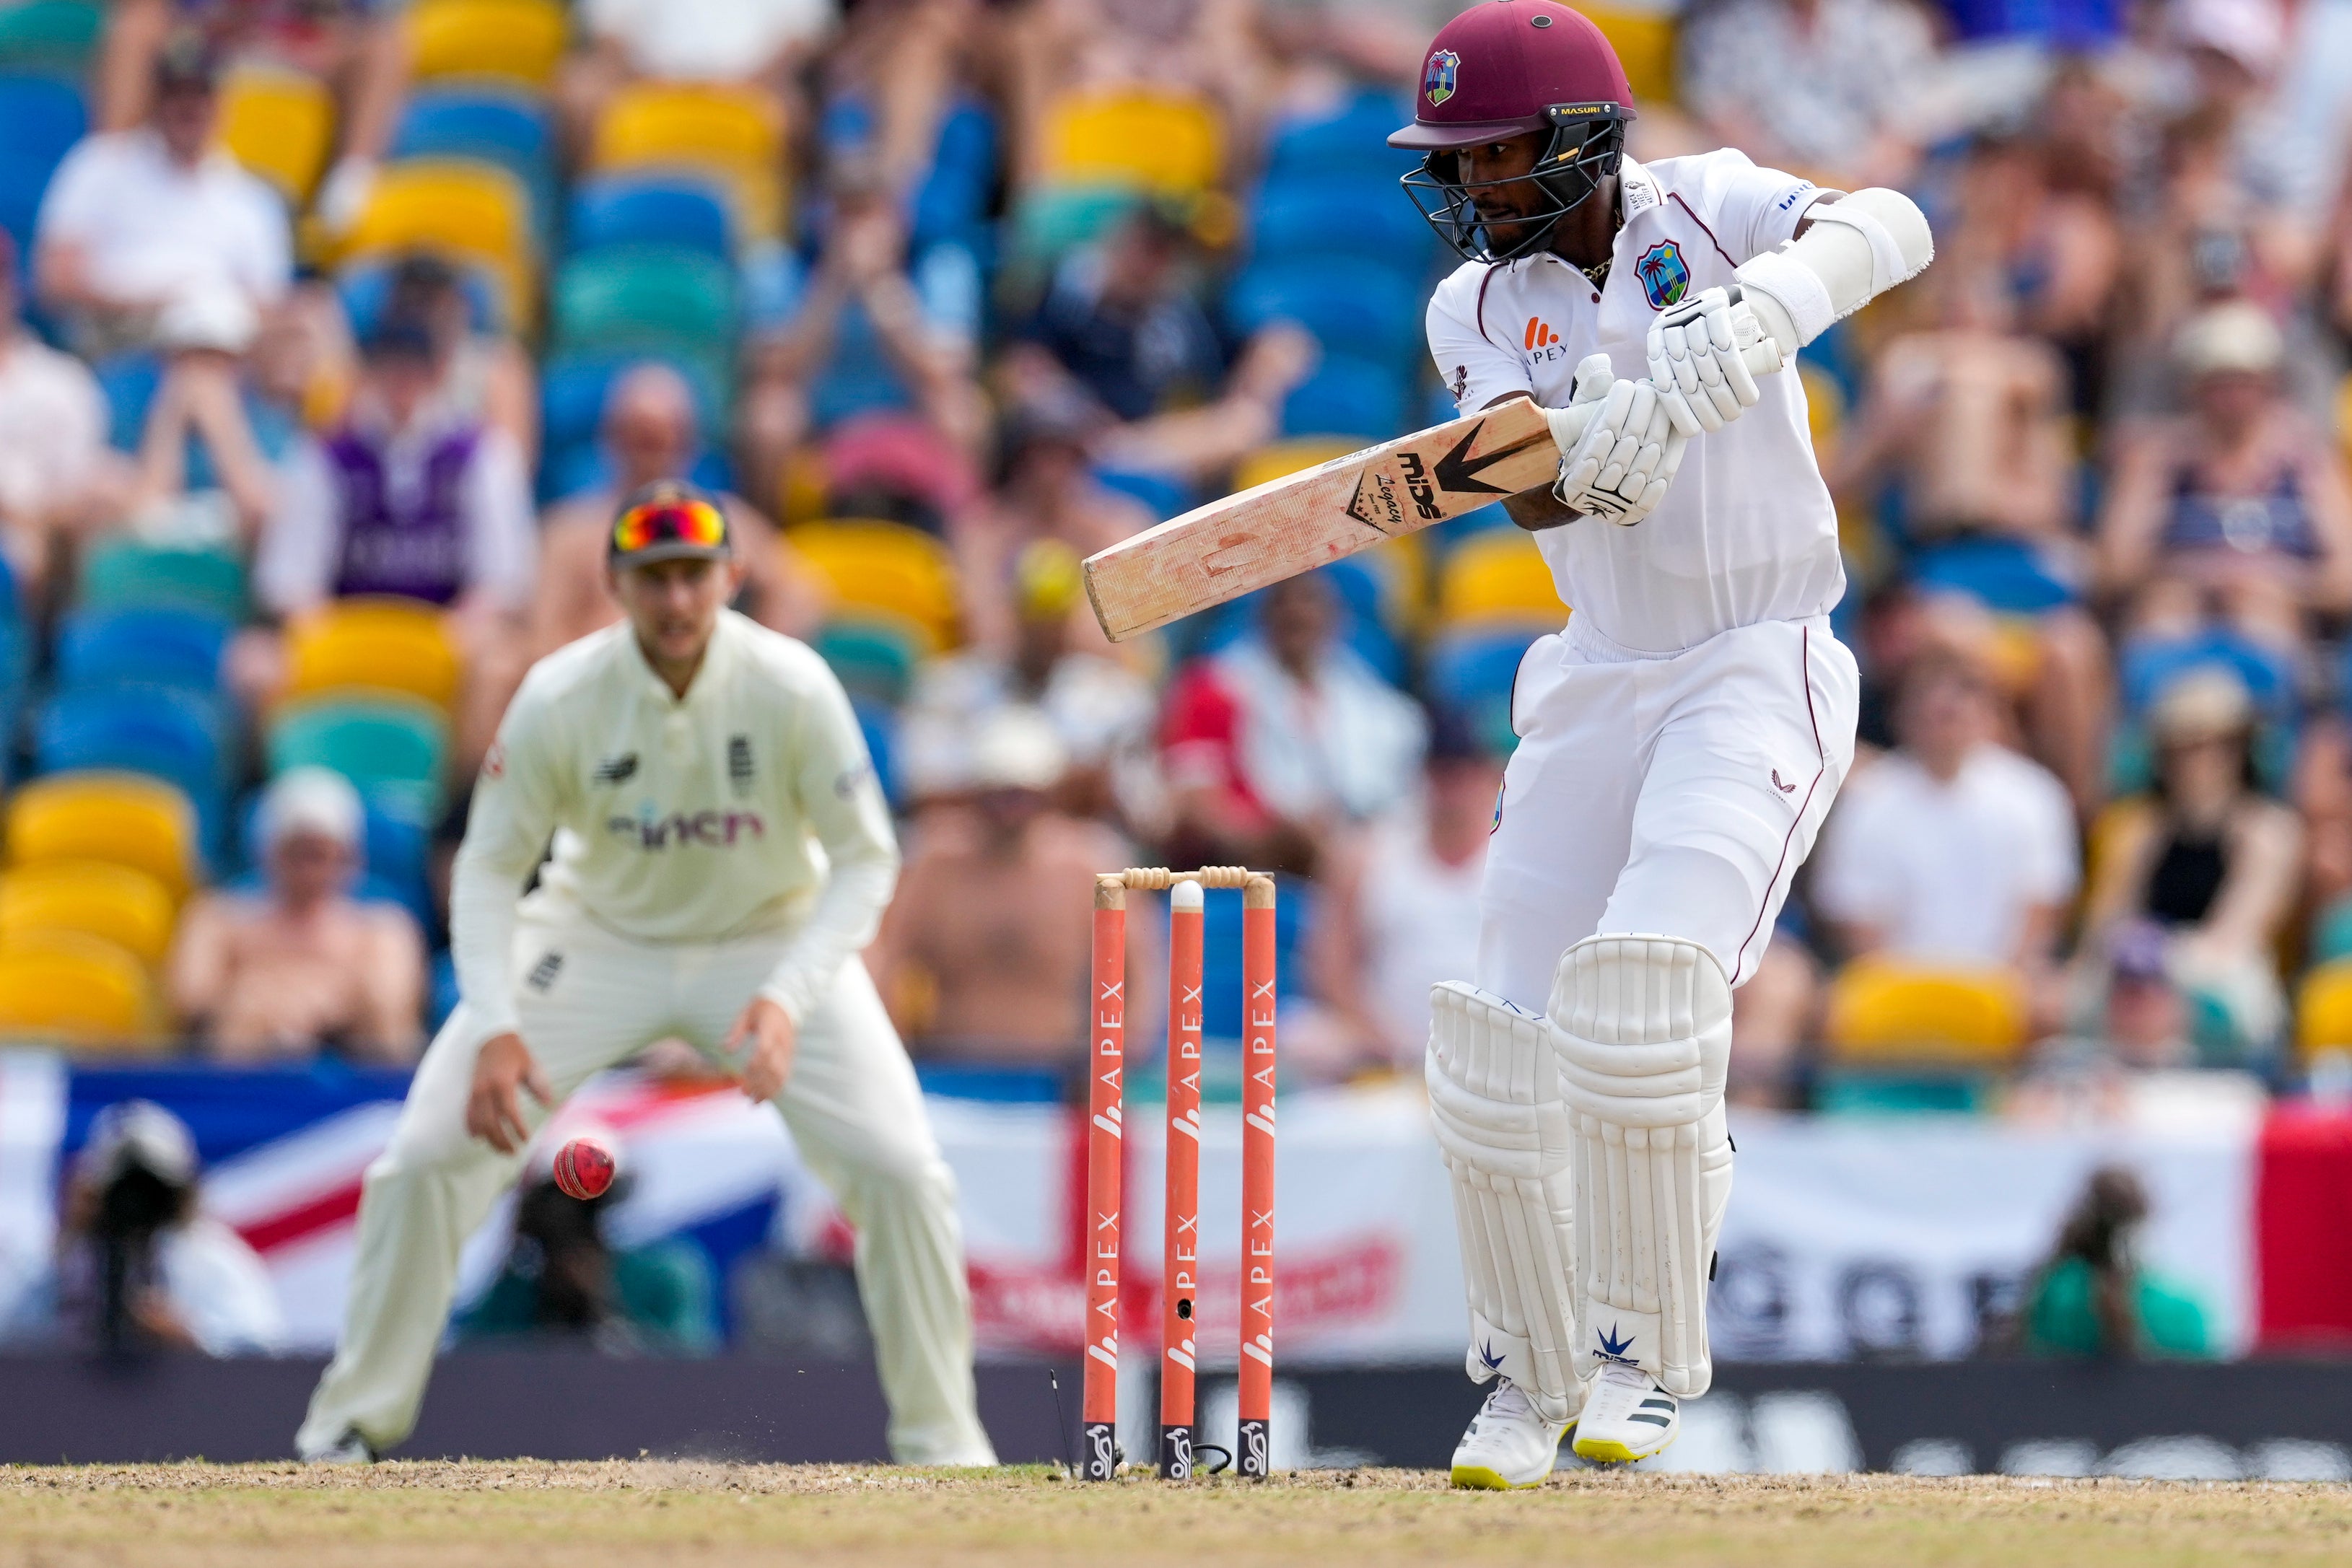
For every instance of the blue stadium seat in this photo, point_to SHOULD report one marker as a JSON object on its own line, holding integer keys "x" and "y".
{"x": 167, "y": 647}
{"x": 506, "y": 129}
{"x": 669, "y": 209}
{"x": 1358, "y": 307}
{"x": 1474, "y": 674}
{"x": 145, "y": 729}
{"x": 1316, "y": 218}
{"x": 1351, "y": 146}
{"x": 129, "y": 383}
{"x": 40, "y": 119}
{"x": 953, "y": 200}
{"x": 1162, "y": 494}
{"x": 1346, "y": 396}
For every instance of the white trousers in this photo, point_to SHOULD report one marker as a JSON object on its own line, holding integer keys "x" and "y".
{"x": 1672, "y": 797}
{"x": 587, "y": 1000}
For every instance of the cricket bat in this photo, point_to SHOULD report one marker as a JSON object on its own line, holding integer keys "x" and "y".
{"x": 1304, "y": 521}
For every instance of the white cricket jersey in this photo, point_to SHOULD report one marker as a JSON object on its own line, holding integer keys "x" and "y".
{"x": 1747, "y": 532}
{"x": 747, "y": 805}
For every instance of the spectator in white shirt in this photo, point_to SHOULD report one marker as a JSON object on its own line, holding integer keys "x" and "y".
{"x": 1820, "y": 87}
{"x": 56, "y": 470}
{"x": 137, "y": 219}
{"x": 1953, "y": 848}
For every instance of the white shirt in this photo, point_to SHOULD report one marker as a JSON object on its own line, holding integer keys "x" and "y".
{"x": 747, "y": 805}
{"x": 1421, "y": 925}
{"x": 53, "y": 426}
{"x": 1747, "y": 532}
{"x": 296, "y": 559}
{"x": 1948, "y": 871}
{"x": 707, "y": 40}
{"x": 150, "y": 228}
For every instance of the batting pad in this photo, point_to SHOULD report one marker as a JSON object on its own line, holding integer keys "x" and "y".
{"x": 1502, "y": 1127}
{"x": 1641, "y": 1027}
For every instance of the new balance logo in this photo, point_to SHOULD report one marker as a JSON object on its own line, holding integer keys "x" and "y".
{"x": 617, "y": 770}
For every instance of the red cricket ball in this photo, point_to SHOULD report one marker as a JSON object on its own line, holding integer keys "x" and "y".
{"x": 584, "y": 1169}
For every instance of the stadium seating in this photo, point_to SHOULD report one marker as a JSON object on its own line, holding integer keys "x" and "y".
{"x": 123, "y": 819}
{"x": 148, "y": 729}
{"x": 56, "y": 38}
{"x": 128, "y": 572}
{"x": 515, "y": 40}
{"x": 650, "y": 210}
{"x": 1348, "y": 148}
{"x": 730, "y": 134}
{"x": 1474, "y": 672}
{"x": 874, "y": 655}
{"x": 1161, "y": 142}
{"x": 393, "y": 748}
{"x": 460, "y": 208}
{"x": 95, "y": 898}
{"x": 1346, "y": 397}
{"x": 1352, "y": 306}
{"x": 2323, "y": 1009}
{"x": 646, "y": 296}
{"x": 281, "y": 125}
{"x": 489, "y": 123}
{"x": 1310, "y": 219}
{"x": 364, "y": 287}
{"x": 77, "y": 991}
{"x": 41, "y": 118}
{"x": 1908, "y": 1036}
{"x": 374, "y": 645}
{"x": 1644, "y": 37}
{"x": 158, "y": 644}
{"x": 1494, "y": 579}
{"x": 885, "y": 571}
{"x": 1286, "y": 457}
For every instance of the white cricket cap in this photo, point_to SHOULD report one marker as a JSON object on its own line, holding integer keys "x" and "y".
{"x": 317, "y": 800}
{"x": 1017, "y": 747}
{"x": 2237, "y": 336}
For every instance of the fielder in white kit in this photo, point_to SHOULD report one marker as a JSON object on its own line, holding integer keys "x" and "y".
{"x": 1680, "y": 740}
{"x": 722, "y": 852}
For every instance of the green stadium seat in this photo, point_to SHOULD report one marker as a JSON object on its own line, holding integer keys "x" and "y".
{"x": 395, "y": 749}
{"x": 126, "y": 572}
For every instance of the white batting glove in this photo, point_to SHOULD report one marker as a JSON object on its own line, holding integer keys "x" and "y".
{"x": 1697, "y": 360}
{"x": 1626, "y": 452}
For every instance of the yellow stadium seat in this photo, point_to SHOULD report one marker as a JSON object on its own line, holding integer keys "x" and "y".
{"x": 123, "y": 819}
{"x": 1283, "y": 458}
{"x": 1497, "y": 577}
{"x": 469, "y": 210}
{"x": 2323, "y": 1009}
{"x": 517, "y": 40}
{"x": 382, "y": 644}
{"x": 886, "y": 569}
{"x": 1885, "y": 1010}
{"x": 1643, "y": 38}
{"x": 74, "y": 989}
{"x": 731, "y": 134}
{"x": 281, "y": 126}
{"x": 126, "y": 907}
{"x": 1160, "y": 142}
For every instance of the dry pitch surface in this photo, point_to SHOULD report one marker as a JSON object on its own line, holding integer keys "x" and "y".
{"x": 520, "y": 1515}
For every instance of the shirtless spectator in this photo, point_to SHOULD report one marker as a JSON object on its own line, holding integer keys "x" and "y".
{"x": 1398, "y": 906}
{"x": 982, "y": 955}
{"x": 650, "y": 432}
{"x": 1972, "y": 418}
{"x": 2235, "y": 514}
{"x": 278, "y": 974}
{"x": 1047, "y": 494}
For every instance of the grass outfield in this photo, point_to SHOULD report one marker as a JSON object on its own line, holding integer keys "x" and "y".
{"x": 671, "y": 1513}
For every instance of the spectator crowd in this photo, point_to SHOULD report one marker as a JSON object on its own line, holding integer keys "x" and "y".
{"x": 330, "y": 333}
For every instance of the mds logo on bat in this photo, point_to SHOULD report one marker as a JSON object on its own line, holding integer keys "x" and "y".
{"x": 1416, "y": 480}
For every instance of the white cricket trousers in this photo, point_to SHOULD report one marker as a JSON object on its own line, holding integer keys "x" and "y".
{"x": 586, "y": 999}
{"x": 1670, "y": 796}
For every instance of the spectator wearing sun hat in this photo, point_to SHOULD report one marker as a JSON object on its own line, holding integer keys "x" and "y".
{"x": 301, "y": 965}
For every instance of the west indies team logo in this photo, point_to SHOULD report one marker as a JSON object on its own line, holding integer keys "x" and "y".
{"x": 1665, "y": 277}
{"x": 1437, "y": 81}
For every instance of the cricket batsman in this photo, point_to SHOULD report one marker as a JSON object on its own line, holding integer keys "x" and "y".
{"x": 721, "y": 854}
{"x": 1680, "y": 740}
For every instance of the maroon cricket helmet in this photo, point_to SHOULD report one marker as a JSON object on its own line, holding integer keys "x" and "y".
{"x": 1510, "y": 67}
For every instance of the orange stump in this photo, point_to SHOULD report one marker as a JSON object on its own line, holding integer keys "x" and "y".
{"x": 1256, "y": 1389}
{"x": 1105, "y": 1148}
{"x": 1181, "y": 1257}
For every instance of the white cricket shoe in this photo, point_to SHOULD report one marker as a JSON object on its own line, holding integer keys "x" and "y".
{"x": 1626, "y": 1417}
{"x": 1508, "y": 1444}
{"x": 351, "y": 1449}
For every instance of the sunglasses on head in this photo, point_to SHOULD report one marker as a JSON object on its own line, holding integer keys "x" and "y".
{"x": 687, "y": 522}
